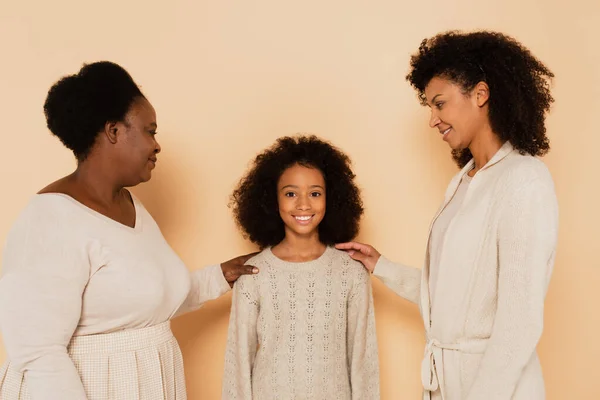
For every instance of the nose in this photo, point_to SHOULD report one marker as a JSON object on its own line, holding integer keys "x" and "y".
{"x": 434, "y": 120}
{"x": 157, "y": 148}
{"x": 303, "y": 203}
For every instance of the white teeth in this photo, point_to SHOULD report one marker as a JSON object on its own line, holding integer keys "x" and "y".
{"x": 446, "y": 131}
{"x": 303, "y": 218}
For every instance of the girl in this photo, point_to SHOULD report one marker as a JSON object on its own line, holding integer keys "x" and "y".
{"x": 303, "y": 328}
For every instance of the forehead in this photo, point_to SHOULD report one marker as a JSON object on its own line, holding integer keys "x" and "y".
{"x": 301, "y": 175}
{"x": 141, "y": 111}
{"x": 438, "y": 85}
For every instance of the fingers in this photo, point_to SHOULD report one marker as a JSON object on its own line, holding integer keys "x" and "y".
{"x": 355, "y": 246}
{"x": 358, "y": 256}
{"x": 247, "y": 270}
{"x": 346, "y": 246}
{"x": 246, "y": 257}
{"x": 235, "y": 268}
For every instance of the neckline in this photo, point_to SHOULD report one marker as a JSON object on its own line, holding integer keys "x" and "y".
{"x": 138, "y": 220}
{"x": 329, "y": 251}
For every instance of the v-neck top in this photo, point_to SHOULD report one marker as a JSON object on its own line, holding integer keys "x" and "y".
{"x": 69, "y": 271}
{"x": 105, "y": 275}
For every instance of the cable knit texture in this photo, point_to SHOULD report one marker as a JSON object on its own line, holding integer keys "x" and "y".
{"x": 302, "y": 331}
{"x": 493, "y": 274}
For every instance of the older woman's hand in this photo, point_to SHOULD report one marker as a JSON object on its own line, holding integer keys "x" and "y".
{"x": 235, "y": 268}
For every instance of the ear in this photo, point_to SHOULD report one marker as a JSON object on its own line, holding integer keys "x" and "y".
{"x": 481, "y": 94}
{"x": 111, "y": 130}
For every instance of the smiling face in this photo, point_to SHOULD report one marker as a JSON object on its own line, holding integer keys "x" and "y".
{"x": 459, "y": 117}
{"x": 301, "y": 199}
{"x": 137, "y": 146}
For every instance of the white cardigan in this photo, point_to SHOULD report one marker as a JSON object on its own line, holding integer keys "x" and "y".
{"x": 494, "y": 271}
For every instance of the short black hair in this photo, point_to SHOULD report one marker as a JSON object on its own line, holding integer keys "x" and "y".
{"x": 78, "y": 106}
{"x": 254, "y": 201}
{"x": 519, "y": 83}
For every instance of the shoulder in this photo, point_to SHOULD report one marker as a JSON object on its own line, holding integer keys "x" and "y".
{"x": 526, "y": 182}
{"x": 48, "y": 233}
{"x": 519, "y": 174}
{"x": 260, "y": 259}
{"x": 45, "y": 211}
{"x": 349, "y": 264}
{"x": 519, "y": 170}
{"x": 48, "y": 221}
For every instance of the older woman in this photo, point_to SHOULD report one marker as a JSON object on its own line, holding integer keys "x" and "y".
{"x": 492, "y": 243}
{"x": 89, "y": 283}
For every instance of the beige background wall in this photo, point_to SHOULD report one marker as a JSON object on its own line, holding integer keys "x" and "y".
{"x": 229, "y": 77}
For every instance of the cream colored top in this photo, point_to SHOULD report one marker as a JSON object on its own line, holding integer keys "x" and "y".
{"x": 302, "y": 331}
{"x": 70, "y": 271}
{"x": 495, "y": 266}
{"x": 438, "y": 232}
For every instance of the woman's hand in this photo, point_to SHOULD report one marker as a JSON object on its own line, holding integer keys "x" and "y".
{"x": 235, "y": 268}
{"x": 364, "y": 253}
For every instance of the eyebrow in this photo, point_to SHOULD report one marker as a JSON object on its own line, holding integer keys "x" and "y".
{"x": 153, "y": 125}
{"x": 434, "y": 97}
{"x": 296, "y": 187}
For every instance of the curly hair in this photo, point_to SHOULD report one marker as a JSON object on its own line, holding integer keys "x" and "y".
{"x": 519, "y": 83}
{"x": 254, "y": 201}
{"x": 78, "y": 106}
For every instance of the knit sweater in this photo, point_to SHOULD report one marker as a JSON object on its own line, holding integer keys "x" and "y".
{"x": 302, "y": 331}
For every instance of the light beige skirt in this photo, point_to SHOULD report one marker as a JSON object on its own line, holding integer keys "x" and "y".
{"x": 136, "y": 364}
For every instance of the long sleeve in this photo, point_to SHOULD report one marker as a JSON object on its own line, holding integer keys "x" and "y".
{"x": 206, "y": 284}
{"x": 405, "y": 281}
{"x": 242, "y": 340}
{"x": 526, "y": 245}
{"x": 44, "y": 276}
{"x": 363, "y": 357}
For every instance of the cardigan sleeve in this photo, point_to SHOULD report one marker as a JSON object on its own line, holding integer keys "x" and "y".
{"x": 527, "y": 237}
{"x": 45, "y": 271}
{"x": 405, "y": 281}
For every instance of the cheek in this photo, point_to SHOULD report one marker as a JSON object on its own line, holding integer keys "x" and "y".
{"x": 149, "y": 143}
{"x": 284, "y": 204}
{"x": 321, "y": 204}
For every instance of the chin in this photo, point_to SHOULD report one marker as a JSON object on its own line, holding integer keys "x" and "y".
{"x": 457, "y": 146}
{"x": 143, "y": 179}
{"x": 305, "y": 231}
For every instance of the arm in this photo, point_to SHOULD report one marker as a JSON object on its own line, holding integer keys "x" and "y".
{"x": 214, "y": 281}
{"x": 403, "y": 280}
{"x": 527, "y": 237}
{"x": 206, "y": 284}
{"x": 40, "y": 306}
{"x": 242, "y": 341}
{"x": 361, "y": 339}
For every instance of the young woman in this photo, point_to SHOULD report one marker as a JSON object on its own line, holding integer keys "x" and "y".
{"x": 492, "y": 243}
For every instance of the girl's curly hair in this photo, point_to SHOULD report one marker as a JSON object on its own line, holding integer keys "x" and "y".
{"x": 254, "y": 201}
